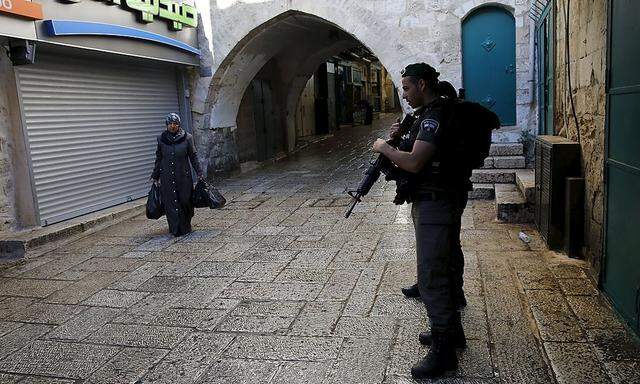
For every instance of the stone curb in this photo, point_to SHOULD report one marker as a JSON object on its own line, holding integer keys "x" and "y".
{"x": 16, "y": 245}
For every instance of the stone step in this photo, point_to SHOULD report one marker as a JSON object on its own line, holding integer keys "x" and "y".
{"x": 504, "y": 162}
{"x": 506, "y": 149}
{"x": 507, "y": 134}
{"x": 526, "y": 182}
{"x": 482, "y": 192}
{"x": 493, "y": 176}
{"x": 511, "y": 206}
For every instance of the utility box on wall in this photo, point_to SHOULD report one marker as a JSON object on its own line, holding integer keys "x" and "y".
{"x": 556, "y": 159}
{"x": 574, "y": 216}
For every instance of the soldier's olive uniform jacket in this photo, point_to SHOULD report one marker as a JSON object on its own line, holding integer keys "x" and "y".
{"x": 175, "y": 154}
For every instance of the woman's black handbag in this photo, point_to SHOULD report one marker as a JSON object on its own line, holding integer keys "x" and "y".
{"x": 206, "y": 196}
{"x": 154, "y": 210}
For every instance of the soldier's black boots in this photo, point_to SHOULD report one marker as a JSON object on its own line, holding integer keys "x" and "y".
{"x": 458, "y": 338}
{"x": 441, "y": 358}
{"x": 411, "y": 291}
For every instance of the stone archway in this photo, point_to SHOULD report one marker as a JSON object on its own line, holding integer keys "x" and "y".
{"x": 246, "y": 34}
{"x": 260, "y": 44}
{"x": 301, "y": 42}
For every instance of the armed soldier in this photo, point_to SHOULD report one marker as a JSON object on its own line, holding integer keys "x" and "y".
{"x": 438, "y": 194}
{"x": 448, "y": 91}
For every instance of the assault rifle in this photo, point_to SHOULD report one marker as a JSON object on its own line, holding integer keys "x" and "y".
{"x": 382, "y": 165}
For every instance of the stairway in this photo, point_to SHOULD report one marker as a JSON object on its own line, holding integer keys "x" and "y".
{"x": 505, "y": 179}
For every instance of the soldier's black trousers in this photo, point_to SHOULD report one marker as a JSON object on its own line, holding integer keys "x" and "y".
{"x": 457, "y": 264}
{"x": 437, "y": 229}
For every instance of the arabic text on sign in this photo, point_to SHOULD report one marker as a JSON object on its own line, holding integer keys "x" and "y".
{"x": 177, "y": 14}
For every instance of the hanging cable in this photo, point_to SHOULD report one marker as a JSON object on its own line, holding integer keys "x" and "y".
{"x": 568, "y": 59}
{"x": 573, "y": 106}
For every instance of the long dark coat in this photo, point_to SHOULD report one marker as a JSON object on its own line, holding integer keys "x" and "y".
{"x": 176, "y": 182}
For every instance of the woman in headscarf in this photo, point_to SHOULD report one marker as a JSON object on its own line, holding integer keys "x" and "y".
{"x": 175, "y": 154}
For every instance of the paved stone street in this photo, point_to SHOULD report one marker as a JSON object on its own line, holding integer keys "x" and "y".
{"x": 278, "y": 287}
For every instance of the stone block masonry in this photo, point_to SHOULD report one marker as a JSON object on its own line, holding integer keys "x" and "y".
{"x": 587, "y": 48}
{"x": 398, "y": 32}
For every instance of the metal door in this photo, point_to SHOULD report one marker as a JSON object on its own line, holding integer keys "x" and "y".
{"x": 258, "y": 119}
{"x": 322, "y": 97}
{"x": 545, "y": 45}
{"x": 91, "y": 126}
{"x": 332, "y": 120}
{"x": 489, "y": 61}
{"x": 263, "y": 117}
{"x": 621, "y": 275}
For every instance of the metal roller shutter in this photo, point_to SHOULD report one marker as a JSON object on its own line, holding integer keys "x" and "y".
{"x": 91, "y": 127}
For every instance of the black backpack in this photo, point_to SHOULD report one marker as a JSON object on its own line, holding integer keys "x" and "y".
{"x": 471, "y": 126}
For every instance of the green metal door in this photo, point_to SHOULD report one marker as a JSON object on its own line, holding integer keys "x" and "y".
{"x": 489, "y": 61}
{"x": 545, "y": 46}
{"x": 621, "y": 276}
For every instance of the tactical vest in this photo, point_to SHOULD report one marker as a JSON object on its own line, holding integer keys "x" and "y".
{"x": 441, "y": 173}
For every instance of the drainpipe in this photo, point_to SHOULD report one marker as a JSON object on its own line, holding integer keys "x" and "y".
{"x": 532, "y": 61}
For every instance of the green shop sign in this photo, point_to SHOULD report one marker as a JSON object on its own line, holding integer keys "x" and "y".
{"x": 177, "y": 14}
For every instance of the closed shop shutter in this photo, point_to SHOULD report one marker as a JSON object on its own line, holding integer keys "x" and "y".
{"x": 91, "y": 126}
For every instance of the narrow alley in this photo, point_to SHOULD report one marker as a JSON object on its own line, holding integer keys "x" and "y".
{"x": 278, "y": 287}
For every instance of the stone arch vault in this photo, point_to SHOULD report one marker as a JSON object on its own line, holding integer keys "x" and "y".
{"x": 265, "y": 41}
{"x": 247, "y": 34}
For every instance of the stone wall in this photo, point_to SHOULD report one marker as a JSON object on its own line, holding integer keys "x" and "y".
{"x": 587, "y": 60}
{"x": 7, "y": 216}
{"x": 396, "y": 31}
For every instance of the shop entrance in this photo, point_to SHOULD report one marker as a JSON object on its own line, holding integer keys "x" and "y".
{"x": 91, "y": 127}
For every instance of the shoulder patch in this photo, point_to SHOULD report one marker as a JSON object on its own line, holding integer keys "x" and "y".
{"x": 430, "y": 125}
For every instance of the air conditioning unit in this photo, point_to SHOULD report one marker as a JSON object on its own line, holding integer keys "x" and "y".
{"x": 556, "y": 159}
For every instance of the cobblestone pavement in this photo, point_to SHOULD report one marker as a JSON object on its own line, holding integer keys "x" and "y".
{"x": 279, "y": 288}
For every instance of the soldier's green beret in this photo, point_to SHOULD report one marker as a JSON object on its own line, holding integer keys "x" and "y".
{"x": 421, "y": 70}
